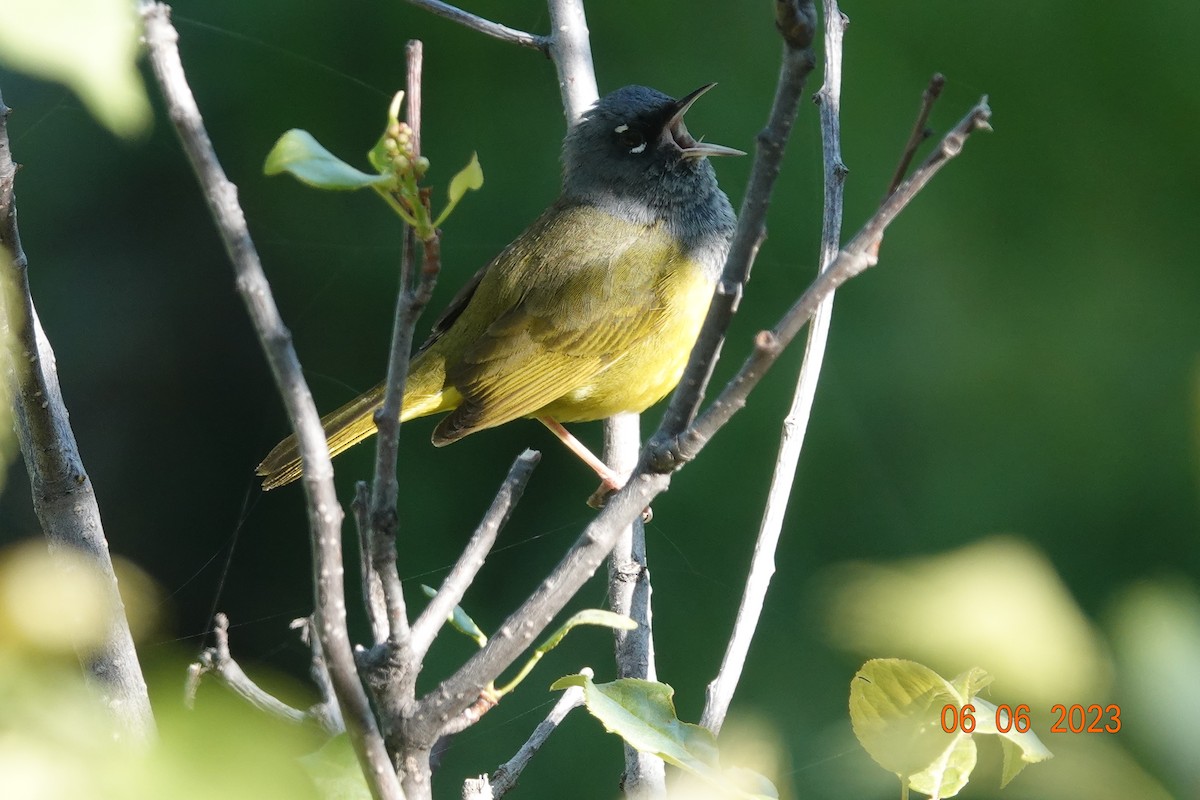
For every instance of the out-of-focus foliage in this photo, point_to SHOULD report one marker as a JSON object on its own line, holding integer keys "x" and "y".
{"x": 921, "y": 726}
{"x": 56, "y": 741}
{"x": 1156, "y": 637}
{"x": 951, "y": 608}
{"x": 998, "y": 601}
{"x": 88, "y": 45}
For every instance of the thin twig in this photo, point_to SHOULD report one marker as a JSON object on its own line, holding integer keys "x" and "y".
{"x": 218, "y": 662}
{"x": 372, "y": 586}
{"x": 325, "y": 515}
{"x": 920, "y": 131}
{"x": 471, "y": 560}
{"x": 484, "y": 26}
{"x": 507, "y": 774}
{"x": 444, "y": 703}
{"x": 798, "y": 62}
{"x": 327, "y": 712}
{"x": 410, "y": 302}
{"x": 762, "y": 566}
{"x": 63, "y": 497}
{"x": 857, "y": 256}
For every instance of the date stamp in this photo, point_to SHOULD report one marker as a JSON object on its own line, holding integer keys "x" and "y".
{"x": 1075, "y": 718}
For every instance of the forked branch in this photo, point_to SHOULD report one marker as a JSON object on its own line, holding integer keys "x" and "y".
{"x": 324, "y": 512}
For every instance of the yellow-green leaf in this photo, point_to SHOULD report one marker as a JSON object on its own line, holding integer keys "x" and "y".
{"x": 468, "y": 178}
{"x": 895, "y": 709}
{"x": 643, "y": 714}
{"x": 1019, "y": 748}
{"x": 949, "y": 772}
{"x": 297, "y": 152}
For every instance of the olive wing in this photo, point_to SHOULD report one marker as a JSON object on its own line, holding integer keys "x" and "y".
{"x": 587, "y": 286}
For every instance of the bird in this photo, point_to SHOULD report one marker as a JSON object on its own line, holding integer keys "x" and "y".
{"x": 591, "y": 311}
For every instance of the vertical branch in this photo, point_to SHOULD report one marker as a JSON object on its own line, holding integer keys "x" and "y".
{"x": 796, "y": 20}
{"x": 411, "y": 300}
{"x": 629, "y": 593}
{"x": 63, "y": 497}
{"x": 720, "y": 691}
{"x": 629, "y": 580}
{"x": 571, "y": 50}
{"x": 324, "y": 513}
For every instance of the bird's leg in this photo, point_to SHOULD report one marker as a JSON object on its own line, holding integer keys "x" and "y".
{"x": 611, "y": 481}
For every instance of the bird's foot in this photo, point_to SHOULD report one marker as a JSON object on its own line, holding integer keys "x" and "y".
{"x": 606, "y": 490}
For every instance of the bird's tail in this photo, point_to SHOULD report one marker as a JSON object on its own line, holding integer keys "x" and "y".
{"x": 345, "y": 428}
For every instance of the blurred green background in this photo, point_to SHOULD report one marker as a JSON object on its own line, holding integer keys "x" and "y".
{"x": 1024, "y": 361}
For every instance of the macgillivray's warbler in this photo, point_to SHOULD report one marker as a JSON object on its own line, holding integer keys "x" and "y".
{"x": 592, "y": 311}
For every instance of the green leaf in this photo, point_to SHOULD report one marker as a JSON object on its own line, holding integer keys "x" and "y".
{"x": 91, "y": 46}
{"x": 460, "y": 620}
{"x": 468, "y": 178}
{"x": 643, "y": 714}
{"x": 298, "y": 153}
{"x": 895, "y": 709}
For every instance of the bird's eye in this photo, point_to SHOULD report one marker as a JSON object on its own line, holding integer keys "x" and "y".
{"x": 631, "y": 138}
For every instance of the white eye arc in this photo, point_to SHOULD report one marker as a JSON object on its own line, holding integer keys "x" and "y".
{"x": 631, "y": 139}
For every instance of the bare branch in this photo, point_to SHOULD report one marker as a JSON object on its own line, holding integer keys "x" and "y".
{"x": 218, "y": 662}
{"x": 629, "y": 593}
{"x": 484, "y": 26}
{"x": 372, "y": 584}
{"x": 327, "y": 713}
{"x": 63, "y": 497}
{"x": 507, "y": 774}
{"x": 571, "y": 49}
{"x": 325, "y": 515}
{"x": 798, "y": 62}
{"x": 461, "y": 689}
{"x": 762, "y": 566}
{"x": 859, "y": 254}
{"x": 451, "y": 592}
{"x": 411, "y": 300}
{"x": 920, "y": 131}
{"x": 442, "y": 705}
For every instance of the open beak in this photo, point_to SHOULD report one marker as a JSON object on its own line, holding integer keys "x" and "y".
{"x": 679, "y": 132}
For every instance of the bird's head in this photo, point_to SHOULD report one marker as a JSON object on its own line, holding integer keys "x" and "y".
{"x": 632, "y": 148}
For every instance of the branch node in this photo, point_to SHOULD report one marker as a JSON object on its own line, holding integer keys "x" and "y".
{"x": 767, "y": 343}
{"x": 797, "y": 22}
